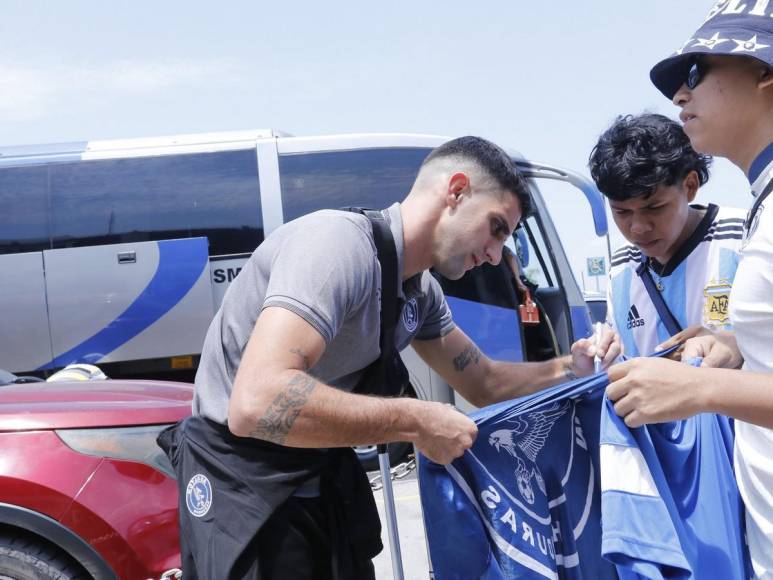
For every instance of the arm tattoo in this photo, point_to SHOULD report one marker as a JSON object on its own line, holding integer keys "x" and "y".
{"x": 470, "y": 354}
{"x": 281, "y": 414}
{"x": 569, "y": 372}
{"x": 304, "y": 357}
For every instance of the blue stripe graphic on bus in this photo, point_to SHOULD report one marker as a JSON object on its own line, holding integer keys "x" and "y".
{"x": 180, "y": 264}
{"x": 494, "y": 329}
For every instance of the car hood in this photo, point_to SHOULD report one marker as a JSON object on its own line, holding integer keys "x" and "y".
{"x": 68, "y": 405}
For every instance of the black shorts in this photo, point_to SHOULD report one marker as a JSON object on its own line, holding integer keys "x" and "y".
{"x": 295, "y": 543}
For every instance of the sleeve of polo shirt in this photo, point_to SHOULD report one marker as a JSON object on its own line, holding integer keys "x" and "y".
{"x": 438, "y": 320}
{"x": 324, "y": 274}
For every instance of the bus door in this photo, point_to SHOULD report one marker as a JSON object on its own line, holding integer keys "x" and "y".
{"x": 127, "y": 301}
{"x": 24, "y": 339}
{"x": 546, "y": 262}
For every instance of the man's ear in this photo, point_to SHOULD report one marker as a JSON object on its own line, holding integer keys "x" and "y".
{"x": 765, "y": 78}
{"x": 458, "y": 185}
{"x": 691, "y": 183}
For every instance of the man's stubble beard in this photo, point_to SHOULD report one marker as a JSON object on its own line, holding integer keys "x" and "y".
{"x": 452, "y": 268}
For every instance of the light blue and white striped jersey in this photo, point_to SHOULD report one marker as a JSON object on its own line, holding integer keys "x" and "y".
{"x": 695, "y": 284}
{"x": 670, "y": 504}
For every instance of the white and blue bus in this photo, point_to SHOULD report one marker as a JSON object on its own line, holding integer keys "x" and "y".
{"x": 117, "y": 253}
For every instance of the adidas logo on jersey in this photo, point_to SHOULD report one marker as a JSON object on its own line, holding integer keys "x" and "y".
{"x": 634, "y": 319}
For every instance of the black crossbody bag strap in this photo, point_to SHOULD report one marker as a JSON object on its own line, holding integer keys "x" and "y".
{"x": 387, "y": 375}
{"x": 387, "y": 258}
{"x": 756, "y": 207}
{"x": 669, "y": 320}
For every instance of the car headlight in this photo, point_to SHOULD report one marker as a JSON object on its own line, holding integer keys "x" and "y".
{"x": 132, "y": 443}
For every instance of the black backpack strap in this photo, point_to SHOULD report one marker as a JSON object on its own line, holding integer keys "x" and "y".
{"x": 669, "y": 320}
{"x": 756, "y": 207}
{"x": 387, "y": 257}
{"x": 387, "y": 375}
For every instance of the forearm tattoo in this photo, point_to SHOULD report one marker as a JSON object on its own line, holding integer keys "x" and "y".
{"x": 471, "y": 354}
{"x": 569, "y": 371}
{"x": 281, "y": 414}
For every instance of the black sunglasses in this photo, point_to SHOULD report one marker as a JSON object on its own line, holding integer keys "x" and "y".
{"x": 695, "y": 73}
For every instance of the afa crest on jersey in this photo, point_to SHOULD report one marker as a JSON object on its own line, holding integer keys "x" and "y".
{"x": 715, "y": 308}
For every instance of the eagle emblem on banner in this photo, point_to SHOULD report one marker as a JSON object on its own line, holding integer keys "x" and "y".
{"x": 524, "y": 442}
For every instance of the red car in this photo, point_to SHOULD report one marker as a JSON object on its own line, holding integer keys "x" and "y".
{"x": 85, "y": 492}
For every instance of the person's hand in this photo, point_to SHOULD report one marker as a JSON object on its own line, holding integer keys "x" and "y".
{"x": 680, "y": 338}
{"x": 583, "y": 351}
{"x": 718, "y": 350}
{"x": 443, "y": 432}
{"x": 654, "y": 390}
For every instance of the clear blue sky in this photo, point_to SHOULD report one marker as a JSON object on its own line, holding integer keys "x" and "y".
{"x": 542, "y": 77}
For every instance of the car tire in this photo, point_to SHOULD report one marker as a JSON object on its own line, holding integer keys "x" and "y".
{"x": 25, "y": 558}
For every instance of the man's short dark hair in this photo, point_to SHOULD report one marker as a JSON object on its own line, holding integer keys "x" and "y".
{"x": 492, "y": 160}
{"x": 639, "y": 153}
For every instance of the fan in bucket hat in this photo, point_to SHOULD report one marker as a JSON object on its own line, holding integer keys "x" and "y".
{"x": 731, "y": 28}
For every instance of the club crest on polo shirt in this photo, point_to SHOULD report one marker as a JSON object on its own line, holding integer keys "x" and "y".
{"x": 715, "y": 310}
{"x": 198, "y": 495}
{"x": 411, "y": 315}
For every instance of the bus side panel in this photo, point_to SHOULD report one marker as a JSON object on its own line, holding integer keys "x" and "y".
{"x": 223, "y": 271}
{"x": 24, "y": 340}
{"x": 182, "y": 329}
{"x": 128, "y": 301}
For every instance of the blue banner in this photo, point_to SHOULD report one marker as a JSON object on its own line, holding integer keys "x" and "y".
{"x": 526, "y": 500}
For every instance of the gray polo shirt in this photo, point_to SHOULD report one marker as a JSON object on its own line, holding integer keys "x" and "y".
{"x": 324, "y": 268}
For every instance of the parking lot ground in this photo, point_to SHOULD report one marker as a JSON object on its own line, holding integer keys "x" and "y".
{"x": 411, "y": 528}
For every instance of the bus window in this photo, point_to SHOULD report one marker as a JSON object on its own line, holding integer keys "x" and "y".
{"x": 554, "y": 333}
{"x": 24, "y": 210}
{"x": 373, "y": 178}
{"x": 157, "y": 198}
{"x": 539, "y": 269}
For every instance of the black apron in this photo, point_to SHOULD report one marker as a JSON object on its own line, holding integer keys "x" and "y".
{"x": 230, "y": 486}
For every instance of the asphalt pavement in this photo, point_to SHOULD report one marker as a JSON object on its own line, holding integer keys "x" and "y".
{"x": 410, "y": 527}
